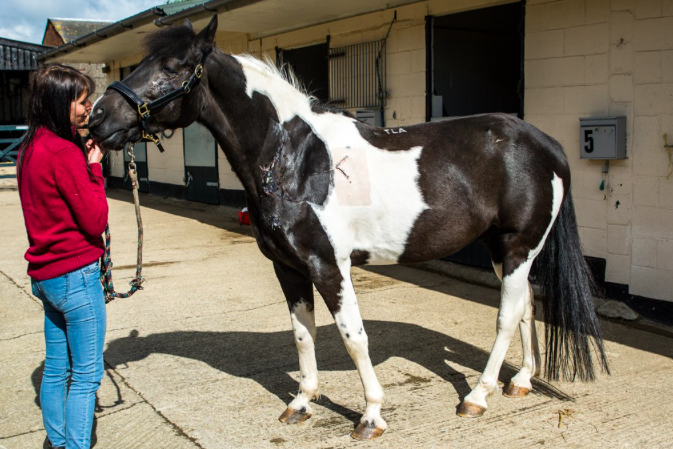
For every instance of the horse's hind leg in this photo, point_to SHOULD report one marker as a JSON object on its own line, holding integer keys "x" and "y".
{"x": 520, "y": 384}
{"x": 515, "y": 298}
{"x": 335, "y": 286}
{"x": 298, "y": 291}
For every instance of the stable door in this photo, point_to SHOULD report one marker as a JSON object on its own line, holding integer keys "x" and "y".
{"x": 201, "y": 175}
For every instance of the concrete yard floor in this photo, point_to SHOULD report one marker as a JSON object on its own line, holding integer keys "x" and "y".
{"x": 204, "y": 356}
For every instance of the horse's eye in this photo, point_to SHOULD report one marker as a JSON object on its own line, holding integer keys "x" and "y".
{"x": 168, "y": 71}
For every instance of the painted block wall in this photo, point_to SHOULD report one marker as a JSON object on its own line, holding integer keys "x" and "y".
{"x": 582, "y": 58}
{"x": 605, "y": 58}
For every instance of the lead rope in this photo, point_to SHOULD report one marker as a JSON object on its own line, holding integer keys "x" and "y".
{"x": 106, "y": 268}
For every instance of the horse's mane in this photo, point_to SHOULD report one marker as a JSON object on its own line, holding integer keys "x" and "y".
{"x": 163, "y": 42}
{"x": 286, "y": 73}
{"x": 283, "y": 72}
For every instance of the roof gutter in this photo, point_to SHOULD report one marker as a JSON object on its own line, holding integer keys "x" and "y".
{"x": 204, "y": 10}
{"x": 142, "y": 18}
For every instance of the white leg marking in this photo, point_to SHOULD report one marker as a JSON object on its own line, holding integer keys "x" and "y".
{"x": 530, "y": 365}
{"x": 303, "y": 324}
{"x": 352, "y": 330}
{"x": 516, "y": 307}
{"x": 514, "y": 296}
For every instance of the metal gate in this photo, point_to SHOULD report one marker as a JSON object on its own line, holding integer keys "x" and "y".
{"x": 12, "y": 136}
{"x": 140, "y": 152}
{"x": 358, "y": 75}
{"x": 201, "y": 174}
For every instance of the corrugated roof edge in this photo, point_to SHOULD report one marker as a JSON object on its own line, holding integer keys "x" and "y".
{"x": 210, "y": 7}
{"x": 29, "y": 45}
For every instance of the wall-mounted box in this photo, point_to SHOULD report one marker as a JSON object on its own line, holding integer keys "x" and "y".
{"x": 603, "y": 138}
{"x": 369, "y": 116}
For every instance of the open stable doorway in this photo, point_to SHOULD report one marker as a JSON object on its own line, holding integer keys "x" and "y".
{"x": 477, "y": 61}
{"x": 475, "y": 66}
{"x": 310, "y": 65}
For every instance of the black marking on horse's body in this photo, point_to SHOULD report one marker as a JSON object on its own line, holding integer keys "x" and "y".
{"x": 318, "y": 186}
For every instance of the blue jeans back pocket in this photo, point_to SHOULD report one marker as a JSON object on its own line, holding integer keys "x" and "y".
{"x": 54, "y": 291}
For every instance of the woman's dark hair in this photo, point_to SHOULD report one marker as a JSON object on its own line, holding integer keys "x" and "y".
{"x": 53, "y": 89}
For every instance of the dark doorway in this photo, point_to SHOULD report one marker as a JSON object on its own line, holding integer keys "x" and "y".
{"x": 476, "y": 66}
{"x": 310, "y": 65}
{"x": 478, "y": 61}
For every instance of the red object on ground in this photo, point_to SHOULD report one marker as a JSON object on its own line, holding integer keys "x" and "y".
{"x": 244, "y": 218}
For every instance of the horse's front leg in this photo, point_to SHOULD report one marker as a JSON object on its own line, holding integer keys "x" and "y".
{"x": 298, "y": 291}
{"x": 335, "y": 285}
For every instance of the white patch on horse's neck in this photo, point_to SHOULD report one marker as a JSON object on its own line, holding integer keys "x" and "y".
{"x": 286, "y": 98}
{"x": 382, "y": 218}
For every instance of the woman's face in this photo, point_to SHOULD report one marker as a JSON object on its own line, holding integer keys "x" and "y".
{"x": 80, "y": 110}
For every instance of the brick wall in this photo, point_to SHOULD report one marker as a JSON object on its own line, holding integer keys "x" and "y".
{"x": 51, "y": 36}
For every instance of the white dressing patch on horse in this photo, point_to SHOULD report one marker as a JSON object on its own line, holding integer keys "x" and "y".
{"x": 351, "y": 177}
{"x": 377, "y": 212}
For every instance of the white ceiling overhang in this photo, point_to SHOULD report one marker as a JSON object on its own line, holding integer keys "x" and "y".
{"x": 257, "y": 18}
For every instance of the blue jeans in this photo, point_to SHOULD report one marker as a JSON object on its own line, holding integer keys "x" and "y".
{"x": 74, "y": 330}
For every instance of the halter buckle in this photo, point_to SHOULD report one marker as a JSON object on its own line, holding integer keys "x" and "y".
{"x": 150, "y": 137}
{"x": 144, "y": 110}
{"x": 185, "y": 87}
{"x": 198, "y": 71}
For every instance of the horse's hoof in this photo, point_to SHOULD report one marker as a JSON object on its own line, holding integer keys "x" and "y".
{"x": 366, "y": 432}
{"x": 292, "y": 416}
{"x": 512, "y": 391}
{"x": 470, "y": 410}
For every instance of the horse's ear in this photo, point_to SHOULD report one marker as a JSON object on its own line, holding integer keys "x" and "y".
{"x": 188, "y": 24}
{"x": 207, "y": 35}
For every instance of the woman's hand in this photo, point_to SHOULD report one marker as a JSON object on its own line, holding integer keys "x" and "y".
{"x": 94, "y": 153}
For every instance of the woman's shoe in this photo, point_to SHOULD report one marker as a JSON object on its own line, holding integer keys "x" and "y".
{"x": 47, "y": 445}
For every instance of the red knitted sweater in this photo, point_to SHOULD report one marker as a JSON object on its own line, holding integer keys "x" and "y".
{"x": 64, "y": 210}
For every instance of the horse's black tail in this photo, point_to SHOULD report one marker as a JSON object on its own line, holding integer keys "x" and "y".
{"x": 571, "y": 321}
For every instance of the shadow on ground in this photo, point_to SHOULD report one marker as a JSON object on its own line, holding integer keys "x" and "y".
{"x": 267, "y": 358}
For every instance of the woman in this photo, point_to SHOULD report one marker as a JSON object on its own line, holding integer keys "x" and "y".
{"x": 65, "y": 211}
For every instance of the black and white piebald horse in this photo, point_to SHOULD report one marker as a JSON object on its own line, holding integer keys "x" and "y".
{"x": 326, "y": 192}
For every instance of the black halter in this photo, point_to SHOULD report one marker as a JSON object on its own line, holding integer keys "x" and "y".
{"x": 145, "y": 108}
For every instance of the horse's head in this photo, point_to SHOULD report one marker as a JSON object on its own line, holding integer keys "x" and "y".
{"x": 172, "y": 58}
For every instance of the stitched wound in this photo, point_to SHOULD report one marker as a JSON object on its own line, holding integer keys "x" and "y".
{"x": 351, "y": 177}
